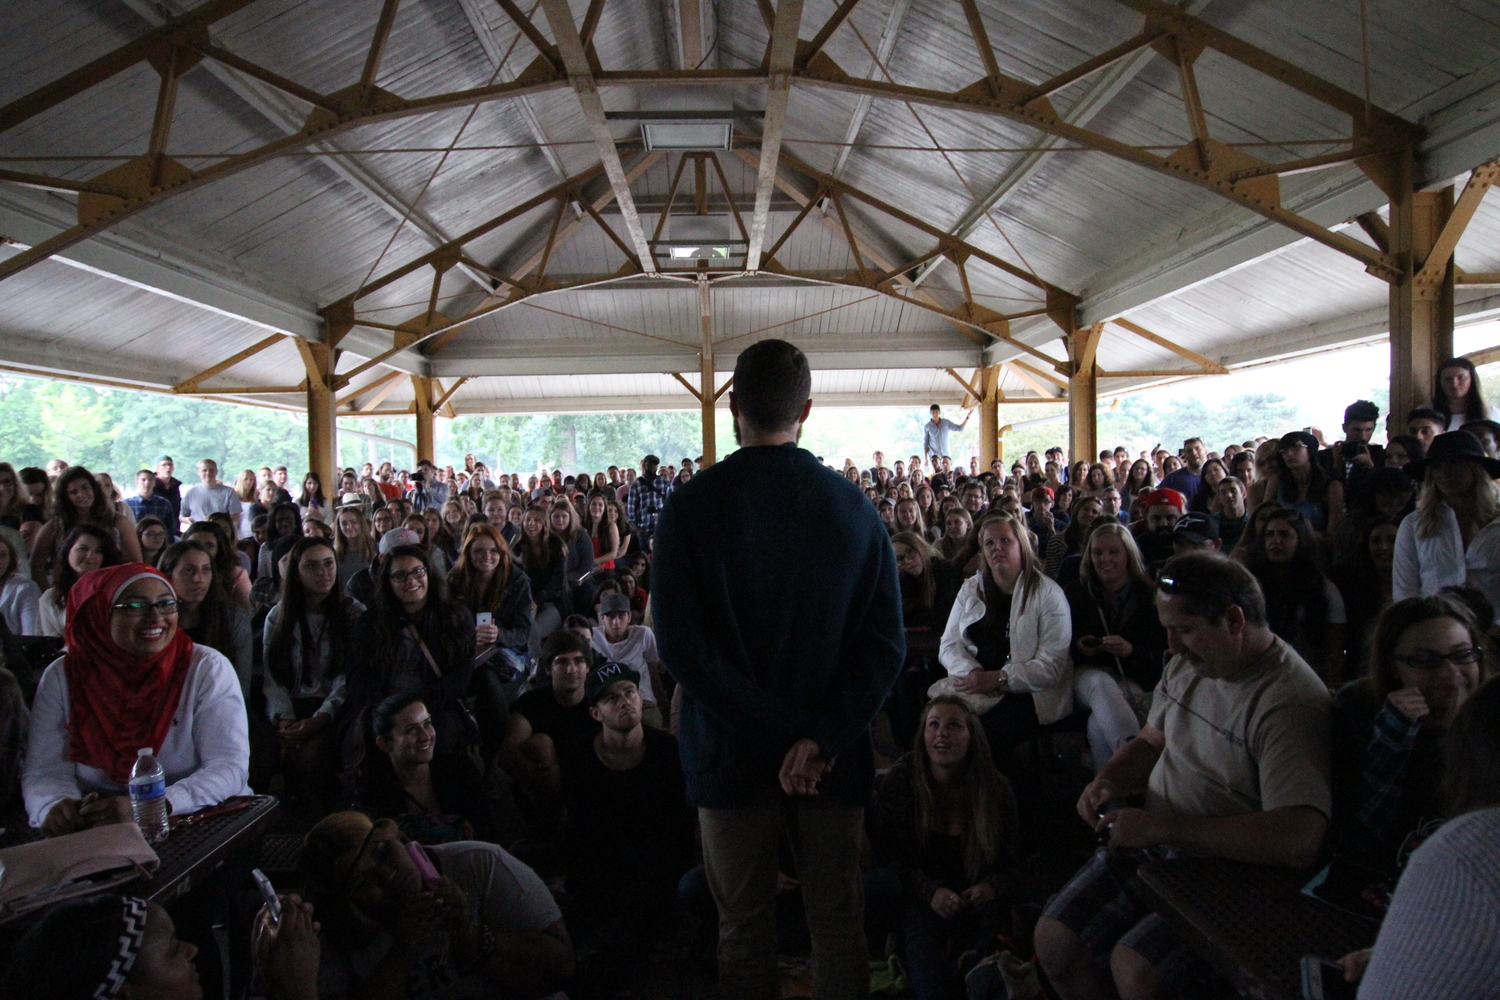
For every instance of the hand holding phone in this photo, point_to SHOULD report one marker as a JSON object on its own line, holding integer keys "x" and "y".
{"x": 1323, "y": 979}
{"x": 268, "y": 894}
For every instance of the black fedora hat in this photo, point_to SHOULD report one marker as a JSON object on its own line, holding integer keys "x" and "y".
{"x": 1291, "y": 438}
{"x": 1450, "y": 446}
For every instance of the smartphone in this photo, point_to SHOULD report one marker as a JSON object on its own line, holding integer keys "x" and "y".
{"x": 484, "y": 618}
{"x": 268, "y": 894}
{"x": 425, "y": 868}
{"x": 1323, "y": 979}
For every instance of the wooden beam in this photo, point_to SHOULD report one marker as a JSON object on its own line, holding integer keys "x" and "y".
{"x": 986, "y": 51}
{"x": 687, "y": 385}
{"x": 84, "y": 77}
{"x": 723, "y": 388}
{"x": 1375, "y": 228}
{"x": 251, "y": 390}
{"x": 1209, "y": 366}
{"x": 1038, "y": 373}
{"x": 1480, "y": 181}
{"x": 377, "y": 44}
{"x": 782, "y": 53}
{"x": 811, "y": 49}
{"x": 968, "y": 386}
{"x": 368, "y": 386}
{"x": 581, "y": 76}
{"x": 706, "y": 376}
{"x": 1089, "y": 67}
{"x": 189, "y": 384}
{"x": 381, "y": 395}
{"x": 1160, "y": 373}
{"x": 1477, "y": 278}
{"x": 1090, "y": 347}
{"x": 1487, "y": 356}
{"x": 1031, "y": 377}
{"x": 443, "y": 399}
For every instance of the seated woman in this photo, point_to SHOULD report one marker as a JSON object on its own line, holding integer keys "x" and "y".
{"x": 928, "y": 588}
{"x": 955, "y": 545}
{"x": 78, "y": 499}
{"x": 86, "y": 548}
{"x": 1082, "y": 515}
{"x": 1118, "y": 642}
{"x": 542, "y": 555}
{"x": 485, "y": 925}
{"x": 152, "y": 534}
{"x": 433, "y": 799}
{"x": 232, "y": 576}
{"x": 1390, "y": 727}
{"x": 412, "y": 639}
{"x": 1438, "y": 938}
{"x": 1302, "y": 605}
{"x": 1006, "y": 643}
{"x": 204, "y": 613}
{"x": 19, "y": 596}
{"x": 485, "y": 580}
{"x": 285, "y": 522}
{"x": 353, "y": 541}
{"x": 308, "y": 639}
{"x": 131, "y": 679}
{"x": 944, "y": 824}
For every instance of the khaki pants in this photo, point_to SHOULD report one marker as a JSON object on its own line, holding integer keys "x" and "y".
{"x": 740, "y": 860}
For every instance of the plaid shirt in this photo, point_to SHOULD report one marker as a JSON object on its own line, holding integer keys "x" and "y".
{"x": 644, "y": 501}
{"x": 156, "y": 506}
{"x": 1378, "y": 799}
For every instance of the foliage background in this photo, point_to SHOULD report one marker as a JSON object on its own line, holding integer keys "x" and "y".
{"x": 120, "y": 431}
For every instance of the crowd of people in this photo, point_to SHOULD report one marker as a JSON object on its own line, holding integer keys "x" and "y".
{"x": 542, "y": 724}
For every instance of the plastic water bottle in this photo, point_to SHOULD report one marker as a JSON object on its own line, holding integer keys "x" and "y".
{"x": 148, "y": 796}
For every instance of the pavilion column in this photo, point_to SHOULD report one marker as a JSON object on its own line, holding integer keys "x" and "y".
{"x": 1000, "y": 444}
{"x": 1083, "y": 394}
{"x": 322, "y": 425}
{"x": 422, "y": 393}
{"x": 1421, "y": 311}
{"x": 707, "y": 378}
{"x": 989, "y": 417}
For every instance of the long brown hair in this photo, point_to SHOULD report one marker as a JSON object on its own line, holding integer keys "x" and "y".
{"x": 101, "y": 512}
{"x": 1402, "y": 615}
{"x": 1471, "y": 771}
{"x": 983, "y": 792}
{"x": 925, "y": 591}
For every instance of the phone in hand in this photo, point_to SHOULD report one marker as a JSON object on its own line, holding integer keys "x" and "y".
{"x": 268, "y": 894}
{"x": 1323, "y": 979}
{"x": 425, "y": 867}
{"x": 483, "y": 618}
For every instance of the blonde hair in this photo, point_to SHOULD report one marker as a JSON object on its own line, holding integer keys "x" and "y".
{"x": 1486, "y": 499}
{"x": 1030, "y": 576}
{"x": 1135, "y": 566}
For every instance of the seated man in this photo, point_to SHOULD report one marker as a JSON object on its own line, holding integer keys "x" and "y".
{"x": 1233, "y": 763}
{"x": 629, "y": 833}
{"x": 1195, "y": 532}
{"x": 545, "y": 723}
{"x": 617, "y": 640}
{"x": 1153, "y": 535}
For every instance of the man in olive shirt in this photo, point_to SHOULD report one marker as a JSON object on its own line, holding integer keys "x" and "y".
{"x": 1233, "y": 763}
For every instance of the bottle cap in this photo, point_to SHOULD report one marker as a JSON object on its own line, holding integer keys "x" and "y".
{"x": 144, "y": 752}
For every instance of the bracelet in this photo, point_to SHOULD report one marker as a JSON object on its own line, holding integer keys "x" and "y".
{"x": 485, "y": 951}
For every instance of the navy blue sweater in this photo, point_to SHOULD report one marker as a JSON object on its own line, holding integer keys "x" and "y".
{"x": 777, "y": 608}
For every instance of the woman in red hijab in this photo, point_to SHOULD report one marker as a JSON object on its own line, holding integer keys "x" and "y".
{"x": 131, "y": 679}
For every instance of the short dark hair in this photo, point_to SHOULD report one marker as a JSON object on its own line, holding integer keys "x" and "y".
{"x": 1361, "y": 410}
{"x": 1493, "y": 427}
{"x": 383, "y": 718}
{"x": 772, "y": 382}
{"x": 1210, "y": 584}
{"x": 564, "y": 640}
{"x": 1429, "y": 414}
{"x": 934, "y": 406}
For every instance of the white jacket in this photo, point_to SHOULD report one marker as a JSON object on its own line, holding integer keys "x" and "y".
{"x": 1427, "y": 565}
{"x": 206, "y": 753}
{"x": 1040, "y": 636}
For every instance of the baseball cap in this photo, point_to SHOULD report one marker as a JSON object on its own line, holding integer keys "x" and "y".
{"x": 614, "y": 602}
{"x": 606, "y": 674}
{"x": 396, "y": 537}
{"x": 1196, "y": 527}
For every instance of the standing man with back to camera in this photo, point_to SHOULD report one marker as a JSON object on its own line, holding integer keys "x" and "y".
{"x": 785, "y": 633}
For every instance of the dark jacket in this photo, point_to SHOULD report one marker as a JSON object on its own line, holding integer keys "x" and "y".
{"x": 1133, "y": 618}
{"x": 900, "y": 849}
{"x": 777, "y": 609}
{"x": 549, "y": 584}
{"x": 445, "y": 626}
{"x": 460, "y": 789}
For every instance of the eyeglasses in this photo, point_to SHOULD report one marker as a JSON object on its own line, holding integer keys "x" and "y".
{"x": 419, "y": 573}
{"x": 167, "y": 606}
{"x": 1432, "y": 661}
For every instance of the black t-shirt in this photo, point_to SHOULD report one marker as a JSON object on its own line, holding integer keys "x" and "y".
{"x": 992, "y": 632}
{"x": 621, "y": 821}
{"x": 567, "y": 726}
